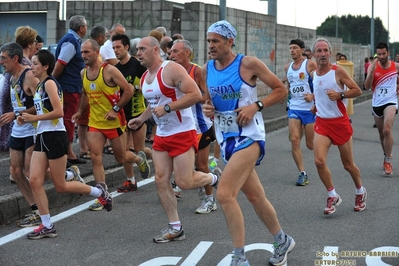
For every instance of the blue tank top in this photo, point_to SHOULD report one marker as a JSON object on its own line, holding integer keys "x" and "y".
{"x": 228, "y": 92}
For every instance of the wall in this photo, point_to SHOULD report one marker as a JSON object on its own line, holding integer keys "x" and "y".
{"x": 258, "y": 35}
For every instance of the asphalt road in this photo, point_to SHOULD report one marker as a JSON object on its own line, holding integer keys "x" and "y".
{"x": 124, "y": 235}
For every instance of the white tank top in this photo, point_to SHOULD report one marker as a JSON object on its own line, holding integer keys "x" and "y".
{"x": 325, "y": 107}
{"x": 299, "y": 80}
{"x": 158, "y": 93}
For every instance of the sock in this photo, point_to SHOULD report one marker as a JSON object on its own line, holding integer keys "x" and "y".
{"x": 359, "y": 191}
{"x": 95, "y": 192}
{"x": 68, "y": 175}
{"x": 240, "y": 253}
{"x": 331, "y": 192}
{"x": 303, "y": 172}
{"x": 34, "y": 209}
{"x": 216, "y": 160}
{"x": 46, "y": 220}
{"x": 210, "y": 197}
{"x": 214, "y": 179}
{"x": 176, "y": 225}
{"x": 279, "y": 238}
{"x": 131, "y": 179}
{"x": 388, "y": 159}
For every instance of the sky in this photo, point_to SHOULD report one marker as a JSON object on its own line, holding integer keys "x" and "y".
{"x": 311, "y": 13}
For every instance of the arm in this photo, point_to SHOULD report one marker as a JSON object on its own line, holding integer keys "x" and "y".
{"x": 58, "y": 70}
{"x": 120, "y": 80}
{"x": 176, "y": 76}
{"x": 368, "y": 83}
{"x": 57, "y": 112}
{"x": 343, "y": 79}
{"x": 201, "y": 84}
{"x": 30, "y": 84}
{"x": 251, "y": 69}
{"x": 259, "y": 70}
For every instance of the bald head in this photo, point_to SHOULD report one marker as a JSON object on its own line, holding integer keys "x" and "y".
{"x": 90, "y": 43}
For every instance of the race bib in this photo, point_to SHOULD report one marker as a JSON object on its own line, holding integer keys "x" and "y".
{"x": 37, "y": 101}
{"x": 226, "y": 121}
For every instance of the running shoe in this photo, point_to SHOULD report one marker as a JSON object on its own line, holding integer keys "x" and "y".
{"x": 213, "y": 165}
{"x": 281, "y": 251}
{"x": 96, "y": 206}
{"x": 31, "y": 219}
{"x": 76, "y": 174}
{"x": 237, "y": 261}
{"x": 360, "y": 201}
{"x": 176, "y": 190}
{"x": 388, "y": 168}
{"x": 144, "y": 166}
{"x": 169, "y": 234}
{"x": 127, "y": 186}
{"x": 105, "y": 198}
{"x": 207, "y": 206}
{"x": 218, "y": 172}
{"x": 42, "y": 232}
{"x": 332, "y": 203}
{"x": 302, "y": 179}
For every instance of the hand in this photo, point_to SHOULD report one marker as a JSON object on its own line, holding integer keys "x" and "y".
{"x": 111, "y": 115}
{"x": 308, "y": 97}
{"x": 6, "y": 118}
{"x": 26, "y": 118}
{"x": 246, "y": 114}
{"x": 313, "y": 109}
{"x": 208, "y": 108}
{"x": 134, "y": 123}
{"x": 332, "y": 94}
{"x": 75, "y": 117}
{"x": 159, "y": 111}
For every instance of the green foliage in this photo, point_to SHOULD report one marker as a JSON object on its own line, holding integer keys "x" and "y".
{"x": 353, "y": 29}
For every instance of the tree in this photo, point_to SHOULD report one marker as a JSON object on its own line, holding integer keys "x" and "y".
{"x": 353, "y": 29}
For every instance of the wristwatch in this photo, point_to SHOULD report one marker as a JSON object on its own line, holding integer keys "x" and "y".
{"x": 16, "y": 114}
{"x": 260, "y": 105}
{"x": 167, "y": 108}
{"x": 342, "y": 95}
{"x": 116, "y": 108}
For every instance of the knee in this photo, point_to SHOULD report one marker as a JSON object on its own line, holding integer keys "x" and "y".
{"x": 320, "y": 162}
{"x": 348, "y": 167}
{"x": 309, "y": 145}
{"x": 35, "y": 183}
{"x": 225, "y": 198}
{"x": 16, "y": 172}
{"x": 61, "y": 187}
{"x": 120, "y": 159}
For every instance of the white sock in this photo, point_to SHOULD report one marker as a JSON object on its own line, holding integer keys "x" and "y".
{"x": 214, "y": 179}
{"x": 132, "y": 179}
{"x": 176, "y": 225}
{"x": 95, "y": 192}
{"x": 68, "y": 175}
{"x": 209, "y": 197}
{"x": 332, "y": 193}
{"x": 46, "y": 220}
{"x": 359, "y": 191}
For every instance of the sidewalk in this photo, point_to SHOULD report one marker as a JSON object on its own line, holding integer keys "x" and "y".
{"x": 13, "y": 206}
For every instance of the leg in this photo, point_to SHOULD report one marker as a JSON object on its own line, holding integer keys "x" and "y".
{"x": 163, "y": 165}
{"x": 309, "y": 135}
{"x": 236, "y": 173}
{"x": 96, "y": 142}
{"x": 389, "y": 118}
{"x": 321, "y": 146}
{"x": 295, "y": 128}
{"x": 186, "y": 177}
{"x": 346, "y": 153}
{"x": 36, "y": 180}
{"x": 18, "y": 161}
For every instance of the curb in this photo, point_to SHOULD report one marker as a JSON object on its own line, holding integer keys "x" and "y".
{"x": 14, "y": 206}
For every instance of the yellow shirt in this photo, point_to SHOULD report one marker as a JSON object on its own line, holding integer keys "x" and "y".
{"x": 101, "y": 100}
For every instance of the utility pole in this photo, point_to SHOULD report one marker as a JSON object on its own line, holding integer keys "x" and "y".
{"x": 222, "y": 10}
{"x": 372, "y": 29}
